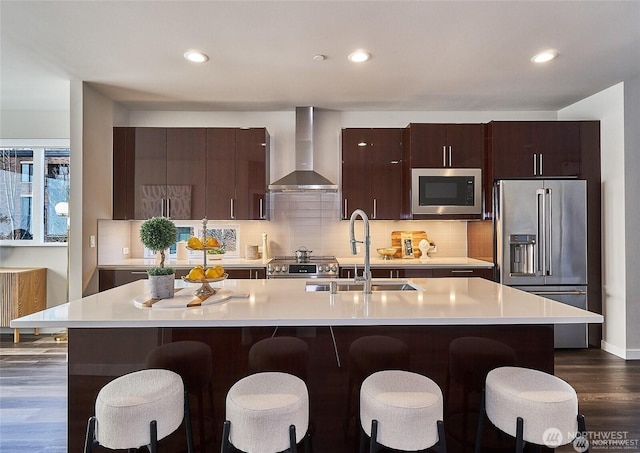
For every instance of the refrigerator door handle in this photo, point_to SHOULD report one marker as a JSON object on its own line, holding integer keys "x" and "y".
{"x": 541, "y": 231}
{"x": 550, "y": 224}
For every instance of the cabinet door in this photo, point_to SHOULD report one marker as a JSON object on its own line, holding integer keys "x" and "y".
{"x": 220, "y": 172}
{"x": 251, "y": 175}
{"x": 356, "y": 177}
{"x": 512, "y": 149}
{"x": 428, "y": 146}
{"x": 465, "y": 145}
{"x": 150, "y": 177}
{"x": 558, "y": 142}
{"x": 123, "y": 173}
{"x": 186, "y": 173}
{"x": 386, "y": 173}
{"x": 255, "y": 273}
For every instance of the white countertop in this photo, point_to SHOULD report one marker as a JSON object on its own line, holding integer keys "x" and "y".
{"x": 139, "y": 263}
{"x": 435, "y": 262}
{"x": 430, "y": 263}
{"x": 284, "y": 302}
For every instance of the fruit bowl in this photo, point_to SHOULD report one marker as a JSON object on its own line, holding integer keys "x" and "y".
{"x": 387, "y": 252}
{"x": 205, "y": 289}
{"x": 207, "y": 280}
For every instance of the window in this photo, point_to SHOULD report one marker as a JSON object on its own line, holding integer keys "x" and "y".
{"x": 34, "y": 192}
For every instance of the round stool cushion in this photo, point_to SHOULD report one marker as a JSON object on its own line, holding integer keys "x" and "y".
{"x": 471, "y": 358}
{"x": 285, "y": 354}
{"x": 192, "y": 360}
{"x": 407, "y": 406}
{"x": 126, "y": 406}
{"x": 375, "y": 353}
{"x": 262, "y": 406}
{"x": 542, "y": 400}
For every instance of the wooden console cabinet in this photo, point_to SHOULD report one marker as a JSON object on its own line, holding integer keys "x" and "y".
{"x": 24, "y": 291}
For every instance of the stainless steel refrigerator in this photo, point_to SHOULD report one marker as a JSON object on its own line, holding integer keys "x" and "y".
{"x": 541, "y": 244}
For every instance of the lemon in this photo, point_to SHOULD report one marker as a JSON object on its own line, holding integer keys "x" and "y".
{"x": 212, "y": 242}
{"x": 196, "y": 274}
{"x": 194, "y": 243}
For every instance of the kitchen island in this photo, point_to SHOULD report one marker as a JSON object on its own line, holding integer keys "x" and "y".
{"x": 110, "y": 334}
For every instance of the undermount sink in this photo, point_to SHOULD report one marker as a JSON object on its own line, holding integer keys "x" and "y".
{"x": 375, "y": 286}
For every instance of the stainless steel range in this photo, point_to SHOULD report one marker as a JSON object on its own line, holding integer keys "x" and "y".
{"x": 309, "y": 267}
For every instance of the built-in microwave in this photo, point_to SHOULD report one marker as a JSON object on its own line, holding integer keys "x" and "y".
{"x": 446, "y": 191}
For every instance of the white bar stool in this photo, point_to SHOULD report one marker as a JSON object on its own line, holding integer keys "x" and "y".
{"x": 532, "y": 406}
{"x": 137, "y": 409}
{"x": 401, "y": 410}
{"x": 266, "y": 413}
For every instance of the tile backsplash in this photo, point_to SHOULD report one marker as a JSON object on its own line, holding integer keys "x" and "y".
{"x": 311, "y": 220}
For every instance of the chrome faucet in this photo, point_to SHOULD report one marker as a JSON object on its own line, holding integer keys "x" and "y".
{"x": 366, "y": 276}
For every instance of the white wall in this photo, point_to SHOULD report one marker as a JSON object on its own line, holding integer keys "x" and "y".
{"x": 608, "y": 107}
{"x": 632, "y": 214}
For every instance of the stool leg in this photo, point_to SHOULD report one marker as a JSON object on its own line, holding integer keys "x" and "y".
{"x": 582, "y": 429}
{"x": 91, "y": 434}
{"x": 373, "y": 446}
{"x": 292, "y": 439}
{"x": 519, "y": 435}
{"x": 441, "y": 446}
{"x": 187, "y": 422}
{"x": 224, "y": 444}
{"x": 153, "y": 426}
{"x": 347, "y": 416}
{"x": 480, "y": 432}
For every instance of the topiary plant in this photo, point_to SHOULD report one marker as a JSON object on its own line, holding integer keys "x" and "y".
{"x": 158, "y": 234}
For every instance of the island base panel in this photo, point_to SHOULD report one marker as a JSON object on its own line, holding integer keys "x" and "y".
{"x": 117, "y": 351}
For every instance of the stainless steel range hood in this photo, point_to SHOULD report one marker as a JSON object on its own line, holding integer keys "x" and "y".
{"x": 304, "y": 178}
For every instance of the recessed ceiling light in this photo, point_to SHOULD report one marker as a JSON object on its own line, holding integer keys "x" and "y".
{"x": 319, "y": 57}
{"x": 195, "y": 56}
{"x": 545, "y": 56}
{"x": 359, "y": 56}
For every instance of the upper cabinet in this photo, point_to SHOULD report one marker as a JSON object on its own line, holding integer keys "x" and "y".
{"x": 446, "y": 145}
{"x": 526, "y": 149}
{"x": 189, "y": 173}
{"x": 372, "y": 173}
{"x": 237, "y": 173}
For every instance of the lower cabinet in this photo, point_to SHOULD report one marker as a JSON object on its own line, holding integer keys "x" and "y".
{"x": 407, "y": 272}
{"x": 110, "y": 278}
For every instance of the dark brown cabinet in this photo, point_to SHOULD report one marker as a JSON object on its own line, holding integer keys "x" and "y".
{"x": 372, "y": 174}
{"x": 525, "y": 149}
{"x": 110, "y": 278}
{"x": 446, "y": 145}
{"x": 412, "y": 272}
{"x": 190, "y": 173}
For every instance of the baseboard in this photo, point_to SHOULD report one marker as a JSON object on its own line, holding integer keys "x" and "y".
{"x": 627, "y": 354}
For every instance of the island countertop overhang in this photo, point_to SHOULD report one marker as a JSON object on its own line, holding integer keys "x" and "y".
{"x": 284, "y": 302}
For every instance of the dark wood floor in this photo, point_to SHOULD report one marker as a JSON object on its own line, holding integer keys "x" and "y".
{"x": 33, "y": 396}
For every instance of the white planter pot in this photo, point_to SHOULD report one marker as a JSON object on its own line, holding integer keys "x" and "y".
{"x": 161, "y": 286}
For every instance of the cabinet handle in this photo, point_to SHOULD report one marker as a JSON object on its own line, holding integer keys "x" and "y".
{"x": 450, "y": 163}
{"x": 444, "y": 155}
{"x": 535, "y": 164}
{"x": 233, "y": 214}
{"x": 138, "y": 272}
{"x": 375, "y": 208}
{"x": 261, "y": 209}
{"x": 465, "y": 271}
{"x": 168, "y": 208}
{"x": 541, "y": 172}
{"x": 345, "y": 209}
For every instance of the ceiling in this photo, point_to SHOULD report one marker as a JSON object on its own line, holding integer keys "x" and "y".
{"x": 427, "y": 55}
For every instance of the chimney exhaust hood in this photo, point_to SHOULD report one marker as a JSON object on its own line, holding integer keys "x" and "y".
{"x": 304, "y": 178}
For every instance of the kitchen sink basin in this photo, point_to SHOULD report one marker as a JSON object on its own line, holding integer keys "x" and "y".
{"x": 375, "y": 286}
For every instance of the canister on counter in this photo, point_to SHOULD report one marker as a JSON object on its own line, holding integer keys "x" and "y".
{"x": 252, "y": 252}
